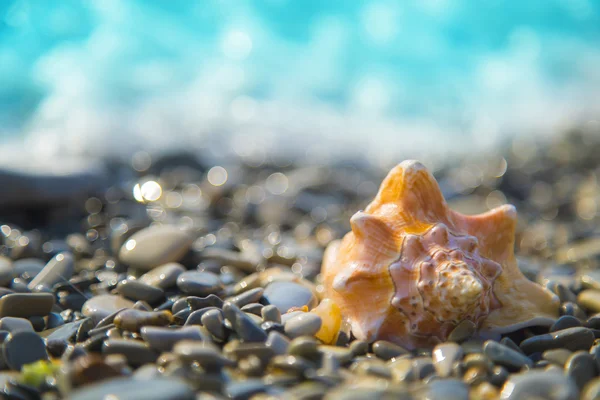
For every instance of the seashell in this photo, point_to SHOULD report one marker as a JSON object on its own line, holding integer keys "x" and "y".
{"x": 412, "y": 269}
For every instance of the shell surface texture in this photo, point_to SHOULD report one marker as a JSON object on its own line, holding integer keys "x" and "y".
{"x": 412, "y": 269}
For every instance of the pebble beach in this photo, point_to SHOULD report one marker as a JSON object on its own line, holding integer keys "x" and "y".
{"x": 184, "y": 277}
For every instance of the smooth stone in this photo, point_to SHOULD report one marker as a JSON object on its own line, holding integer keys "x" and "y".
{"x": 212, "y": 320}
{"x": 285, "y": 295}
{"x": 277, "y": 342}
{"x": 164, "y": 276}
{"x": 54, "y": 320}
{"x": 12, "y": 324}
{"x": 557, "y": 356}
{"x": 195, "y": 317}
{"x": 198, "y": 283}
{"x": 590, "y": 279}
{"x": 241, "y": 390}
{"x": 163, "y": 339}
{"x": 28, "y": 266}
{"x": 388, "y": 350}
{"x": 6, "y": 271}
{"x": 444, "y": 356}
{"x": 505, "y": 356}
{"x": 564, "y": 322}
{"x": 60, "y": 268}
{"x": 196, "y": 303}
{"x": 154, "y": 246}
{"x": 133, "y": 320}
{"x": 206, "y": 355}
{"x": 462, "y": 331}
{"x": 134, "y": 389}
{"x": 65, "y": 332}
{"x": 135, "y": 290}
{"x": 581, "y": 367}
{"x": 359, "y": 347}
{"x": 243, "y": 324}
{"x": 23, "y": 347}
{"x": 592, "y": 390}
{"x": 304, "y": 324}
{"x": 508, "y": 342}
{"x": 100, "y": 307}
{"x": 445, "y": 389}
{"x": 247, "y": 297}
{"x": 550, "y": 385}
{"x": 306, "y": 347}
{"x": 253, "y": 308}
{"x": 271, "y": 313}
{"x": 26, "y": 305}
{"x": 573, "y": 339}
{"x": 136, "y": 352}
{"x": 589, "y": 299}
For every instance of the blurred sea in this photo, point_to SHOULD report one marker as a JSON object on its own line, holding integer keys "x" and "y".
{"x": 379, "y": 78}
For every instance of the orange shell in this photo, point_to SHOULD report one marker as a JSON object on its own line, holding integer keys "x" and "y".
{"x": 411, "y": 269}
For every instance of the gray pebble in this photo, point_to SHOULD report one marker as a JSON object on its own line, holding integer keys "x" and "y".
{"x": 277, "y": 342}
{"x": 163, "y": 339}
{"x": 136, "y": 352}
{"x": 28, "y": 267}
{"x": 229, "y": 257}
{"x": 388, "y": 350}
{"x": 444, "y": 356}
{"x": 557, "y": 356}
{"x": 65, "y": 332}
{"x": 305, "y": 347}
{"x": 571, "y": 339}
{"x": 253, "y": 308}
{"x": 564, "y": 322}
{"x": 197, "y": 283}
{"x": 551, "y": 385}
{"x": 206, "y": 355}
{"x": 133, "y": 320}
{"x": 247, "y": 297}
{"x": 581, "y": 367}
{"x": 196, "y": 303}
{"x": 505, "y": 356}
{"x": 241, "y": 390}
{"x": 508, "y": 342}
{"x": 246, "y": 328}
{"x": 6, "y": 271}
{"x": 164, "y": 276}
{"x": 444, "y": 389}
{"x": 133, "y": 389}
{"x": 462, "y": 331}
{"x": 303, "y": 324}
{"x": 285, "y": 295}
{"x": 12, "y": 324}
{"x": 100, "y": 307}
{"x": 271, "y": 313}
{"x": 212, "y": 320}
{"x": 59, "y": 269}
{"x": 154, "y": 246}
{"x": 22, "y": 348}
{"x": 26, "y": 305}
{"x": 136, "y": 290}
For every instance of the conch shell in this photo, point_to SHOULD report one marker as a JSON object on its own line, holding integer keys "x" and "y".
{"x": 412, "y": 269}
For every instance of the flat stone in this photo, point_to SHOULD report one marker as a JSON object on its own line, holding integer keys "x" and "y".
{"x": 136, "y": 290}
{"x": 198, "y": 283}
{"x": 388, "y": 350}
{"x": 444, "y": 356}
{"x": 581, "y": 368}
{"x": 505, "y": 356}
{"x": 100, "y": 307}
{"x": 65, "y": 332}
{"x": 154, "y": 246}
{"x": 136, "y": 352}
{"x": 573, "y": 339}
{"x": 163, "y": 276}
{"x": 133, "y": 320}
{"x": 551, "y": 385}
{"x": 247, "y": 297}
{"x": 12, "y": 324}
{"x": 564, "y": 322}
{"x": 285, "y": 295}
{"x": 60, "y": 268}
{"x": 304, "y": 324}
{"x": 22, "y": 348}
{"x": 589, "y": 299}
{"x": 163, "y": 339}
{"x": 26, "y": 305}
{"x": 134, "y": 389}
{"x": 6, "y": 271}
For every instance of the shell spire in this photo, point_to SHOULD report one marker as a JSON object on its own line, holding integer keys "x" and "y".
{"x": 412, "y": 269}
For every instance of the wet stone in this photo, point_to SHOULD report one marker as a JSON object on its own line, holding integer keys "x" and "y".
{"x": 135, "y": 290}
{"x": 505, "y": 356}
{"x": 163, "y": 277}
{"x": 100, "y": 307}
{"x": 163, "y": 339}
{"x": 573, "y": 339}
{"x": 285, "y": 295}
{"x": 247, "y": 297}
{"x": 26, "y": 305}
{"x": 462, "y": 331}
{"x": 303, "y": 324}
{"x": 581, "y": 368}
{"x": 133, "y": 320}
{"x": 59, "y": 269}
{"x": 444, "y": 356}
{"x": 197, "y": 283}
{"x": 154, "y": 246}
{"x": 12, "y": 324}
{"x": 564, "y": 322}
{"x": 22, "y": 348}
{"x": 549, "y": 385}
{"x": 388, "y": 350}
{"x": 136, "y": 352}
{"x": 212, "y": 320}
{"x": 133, "y": 389}
{"x": 557, "y": 356}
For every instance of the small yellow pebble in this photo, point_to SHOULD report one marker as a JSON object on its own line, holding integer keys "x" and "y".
{"x": 35, "y": 374}
{"x": 331, "y": 318}
{"x": 484, "y": 391}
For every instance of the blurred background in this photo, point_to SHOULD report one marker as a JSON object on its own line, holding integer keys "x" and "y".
{"x": 378, "y": 78}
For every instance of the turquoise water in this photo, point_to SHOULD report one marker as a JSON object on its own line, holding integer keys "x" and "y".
{"x": 95, "y": 76}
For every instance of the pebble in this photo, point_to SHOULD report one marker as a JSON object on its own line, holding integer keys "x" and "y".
{"x": 564, "y": 322}
{"x": 133, "y": 389}
{"x": 164, "y": 276}
{"x": 286, "y": 295}
{"x": 304, "y": 324}
{"x": 247, "y": 297}
{"x": 581, "y": 368}
{"x": 206, "y": 355}
{"x": 246, "y": 328}
{"x": 253, "y": 308}
{"x": 505, "y": 356}
{"x": 136, "y": 352}
{"x": 548, "y": 385}
{"x": 462, "y": 331}
{"x": 277, "y": 342}
{"x": 388, "y": 350}
{"x": 133, "y": 320}
{"x": 26, "y": 305}
{"x": 136, "y": 290}
{"x": 444, "y": 356}
{"x": 589, "y": 299}
{"x": 12, "y": 324}
{"x": 163, "y": 339}
{"x": 270, "y": 313}
{"x": 573, "y": 339}
{"x": 101, "y": 306}
{"x": 29, "y": 267}
{"x": 445, "y": 389}
{"x": 23, "y": 347}
{"x": 592, "y": 390}
{"x": 197, "y": 283}
{"x": 241, "y": 390}
{"x": 154, "y": 246}
{"x": 60, "y": 268}
{"x": 213, "y": 321}
{"x": 557, "y": 356}
{"x": 6, "y": 271}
